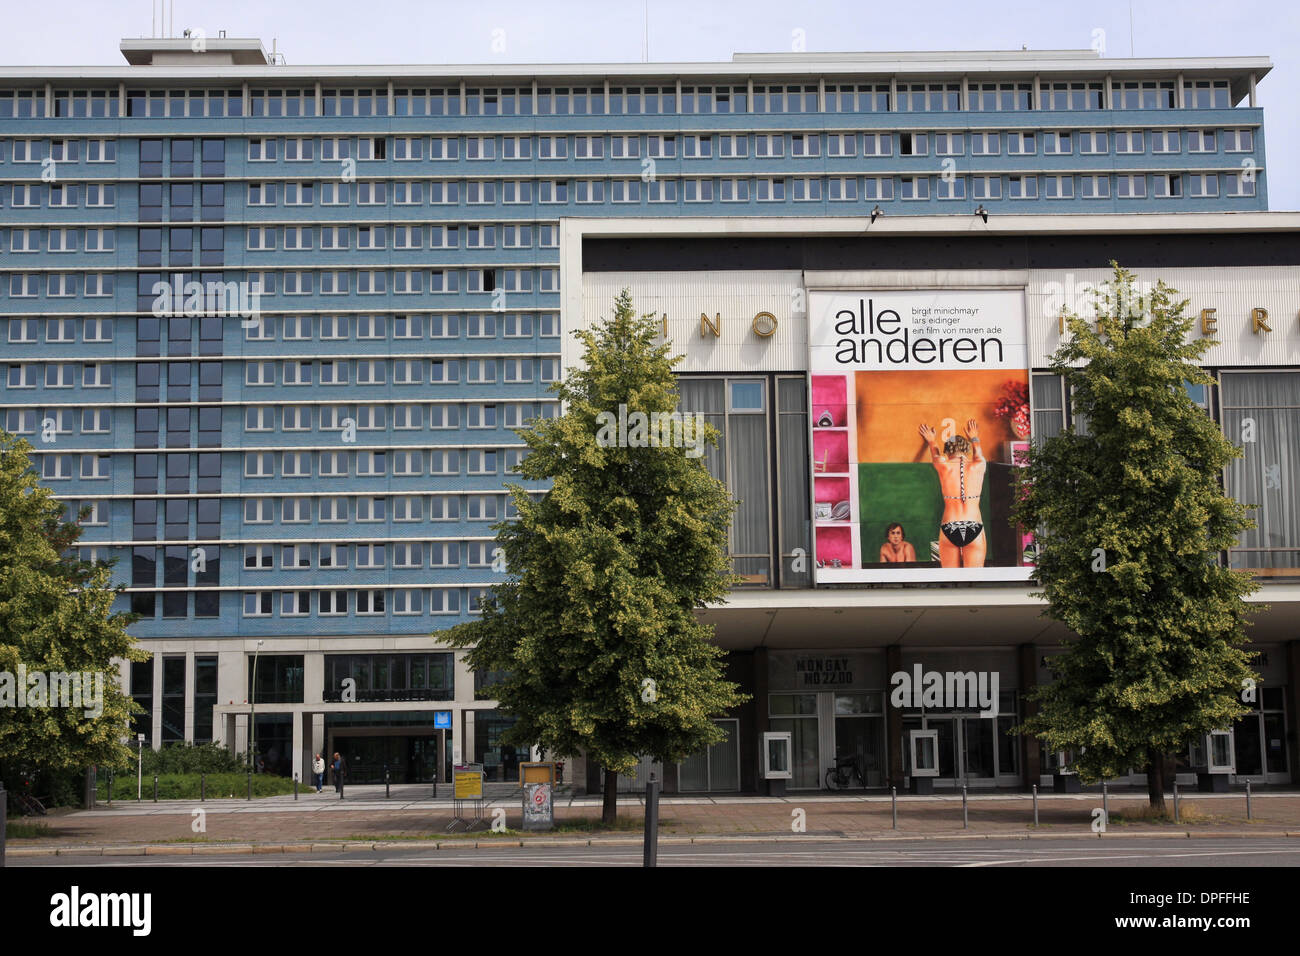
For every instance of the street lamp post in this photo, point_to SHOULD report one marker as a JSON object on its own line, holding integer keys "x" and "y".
{"x": 252, "y": 709}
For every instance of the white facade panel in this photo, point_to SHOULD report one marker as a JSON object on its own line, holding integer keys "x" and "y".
{"x": 741, "y": 305}
{"x": 731, "y": 300}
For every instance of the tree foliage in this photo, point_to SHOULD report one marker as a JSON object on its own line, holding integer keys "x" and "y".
{"x": 595, "y": 625}
{"x": 1130, "y": 518}
{"x": 55, "y": 615}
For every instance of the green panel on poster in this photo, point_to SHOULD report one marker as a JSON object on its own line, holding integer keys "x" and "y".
{"x": 906, "y": 492}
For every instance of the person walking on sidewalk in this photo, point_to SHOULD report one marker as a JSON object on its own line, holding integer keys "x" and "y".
{"x": 318, "y": 771}
{"x": 340, "y": 771}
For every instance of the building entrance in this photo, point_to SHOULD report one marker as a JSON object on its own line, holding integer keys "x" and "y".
{"x": 828, "y": 726}
{"x": 968, "y": 749}
{"x": 408, "y": 758}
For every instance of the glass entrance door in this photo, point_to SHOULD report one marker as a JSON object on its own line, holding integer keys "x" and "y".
{"x": 1259, "y": 741}
{"x": 966, "y": 748}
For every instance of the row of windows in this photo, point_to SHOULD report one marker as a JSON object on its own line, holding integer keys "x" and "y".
{"x": 403, "y": 281}
{"x": 60, "y": 330}
{"x": 64, "y": 196}
{"x": 401, "y": 236}
{"x": 485, "y": 325}
{"x": 95, "y": 239}
{"x": 1126, "y": 186}
{"x": 670, "y": 146}
{"x": 599, "y": 191}
{"x": 404, "y": 371}
{"x": 405, "y": 463}
{"x": 475, "y": 415}
{"x": 61, "y": 375}
{"x": 475, "y": 325}
{"x": 734, "y": 145}
{"x": 621, "y": 100}
{"x": 330, "y": 603}
{"x": 298, "y": 510}
{"x": 264, "y": 418}
{"x": 362, "y": 508}
{"x": 336, "y": 556}
{"x": 311, "y": 372}
{"x": 328, "y": 464}
{"x": 28, "y": 285}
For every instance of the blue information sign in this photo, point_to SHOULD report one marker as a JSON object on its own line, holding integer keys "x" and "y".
{"x": 442, "y": 720}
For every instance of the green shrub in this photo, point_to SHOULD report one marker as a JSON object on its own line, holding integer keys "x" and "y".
{"x": 220, "y": 786}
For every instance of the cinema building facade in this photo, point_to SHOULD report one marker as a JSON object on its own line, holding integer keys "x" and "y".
{"x": 295, "y": 504}
{"x": 816, "y": 348}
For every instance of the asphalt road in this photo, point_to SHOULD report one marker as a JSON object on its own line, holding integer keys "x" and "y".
{"x": 942, "y": 853}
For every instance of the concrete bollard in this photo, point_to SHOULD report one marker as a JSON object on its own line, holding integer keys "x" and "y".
{"x": 1035, "y": 804}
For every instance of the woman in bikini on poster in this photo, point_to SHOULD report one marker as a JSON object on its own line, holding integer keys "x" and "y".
{"x": 961, "y": 465}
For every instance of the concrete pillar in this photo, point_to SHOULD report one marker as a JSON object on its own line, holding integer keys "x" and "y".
{"x": 1027, "y": 661}
{"x": 316, "y": 737}
{"x": 155, "y": 732}
{"x": 189, "y": 696}
{"x": 1291, "y": 702}
{"x": 894, "y": 722}
{"x": 313, "y": 677}
{"x": 300, "y": 761}
{"x": 762, "y": 722}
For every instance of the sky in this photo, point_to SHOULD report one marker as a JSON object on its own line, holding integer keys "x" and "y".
{"x": 87, "y": 32}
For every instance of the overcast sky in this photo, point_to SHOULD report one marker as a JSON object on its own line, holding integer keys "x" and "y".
{"x": 87, "y": 32}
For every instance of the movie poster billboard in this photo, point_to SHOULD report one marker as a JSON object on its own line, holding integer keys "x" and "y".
{"x": 920, "y": 407}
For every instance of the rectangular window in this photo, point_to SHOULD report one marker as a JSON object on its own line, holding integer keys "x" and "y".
{"x": 1166, "y": 185}
{"x": 1058, "y": 187}
{"x": 1094, "y": 187}
{"x": 1022, "y": 187}
{"x": 1131, "y": 186}
{"x": 915, "y": 187}
{"x": 1128, "y": 141}
{"x": 1200, "y": 140}
{"x": 1165, "y": 141}
{"x": 1093, "y": 142}
{"x": 1056, "y": 142}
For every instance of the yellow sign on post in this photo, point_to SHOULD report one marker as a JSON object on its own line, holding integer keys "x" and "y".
{"x": 468, "y": 784}
{"x": 536, "y": 773}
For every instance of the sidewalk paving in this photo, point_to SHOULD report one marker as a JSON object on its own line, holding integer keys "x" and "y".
{"x": 365, "y": 820}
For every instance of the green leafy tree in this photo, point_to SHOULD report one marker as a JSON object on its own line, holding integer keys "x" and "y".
{"x": 1130, "y": 519}
{"x": 595, "y": 627}
{"x": 55, "y": 615}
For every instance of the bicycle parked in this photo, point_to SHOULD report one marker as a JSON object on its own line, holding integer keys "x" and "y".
{"x": 840, "y": 776}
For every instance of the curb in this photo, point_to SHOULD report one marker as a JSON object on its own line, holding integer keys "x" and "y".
{"x": 154, "y": 849}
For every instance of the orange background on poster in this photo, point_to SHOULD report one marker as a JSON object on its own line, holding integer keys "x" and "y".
{"x": 891, "y": 405}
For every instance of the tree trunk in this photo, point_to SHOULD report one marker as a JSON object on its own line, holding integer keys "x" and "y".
{"x": 609, "y": 816}
{"x": 1156, "y": 781}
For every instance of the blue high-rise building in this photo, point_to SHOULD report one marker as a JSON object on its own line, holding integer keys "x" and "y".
{"x": 273, "y": 325}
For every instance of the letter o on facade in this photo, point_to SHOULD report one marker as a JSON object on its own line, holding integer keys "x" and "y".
{"x": 764, "y": 325}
